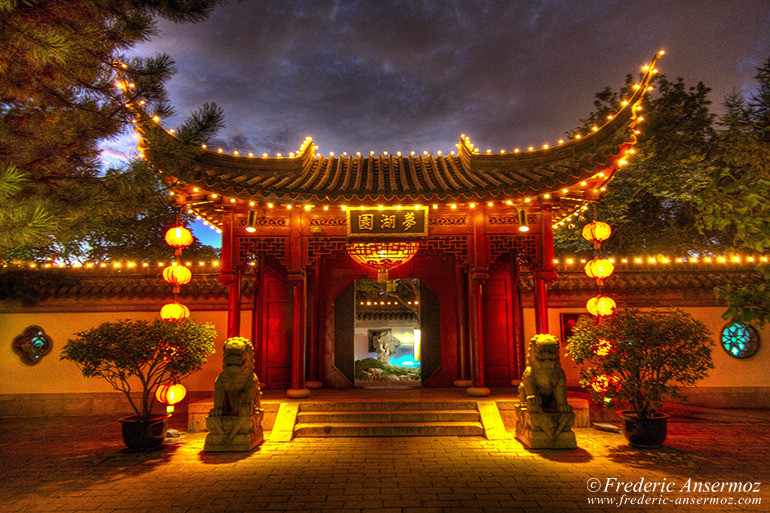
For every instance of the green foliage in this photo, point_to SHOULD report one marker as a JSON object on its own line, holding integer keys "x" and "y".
{"x": 640, "y": 357}
{"x": 142, "y": 237}
{"x": 737, "y": 199}
{"x": 58, "y": 102}
{"x": 696, "y": 185}
{"x": 650, "y": 202}
{"x": 21, "y": 222}
{"x": 365, "y": 364}
{"x": 154, "y": 352}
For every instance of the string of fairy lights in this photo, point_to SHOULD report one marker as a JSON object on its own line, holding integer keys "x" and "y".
{"x": 215, "y": 224}
{"x": 575, "y": 195}
{"x": 566, "y": 264}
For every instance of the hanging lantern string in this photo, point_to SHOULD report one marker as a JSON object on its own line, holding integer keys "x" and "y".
{"x": 598, "y": 268}
{"x": 177, "y": 274}
{"x": 597, "y": 250}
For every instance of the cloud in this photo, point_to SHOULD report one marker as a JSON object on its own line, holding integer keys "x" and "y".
{"x": 388, "y": 75}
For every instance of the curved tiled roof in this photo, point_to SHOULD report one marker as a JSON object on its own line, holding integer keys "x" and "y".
{"x": 466, "y": 174}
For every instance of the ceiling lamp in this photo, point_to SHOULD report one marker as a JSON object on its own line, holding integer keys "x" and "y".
{"x": 382, "y": 256}
{"x": 523, "y": 226}
{"x": 251, "y": 222}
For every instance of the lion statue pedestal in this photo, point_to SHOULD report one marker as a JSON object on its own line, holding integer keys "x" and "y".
{"x": 235, "y": 422}
{"x": 544, "y": 420}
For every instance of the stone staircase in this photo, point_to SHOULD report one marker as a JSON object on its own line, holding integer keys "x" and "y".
{"x": 388, "y": 418}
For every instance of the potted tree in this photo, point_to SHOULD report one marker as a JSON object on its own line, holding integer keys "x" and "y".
{"x": 151, "y": 353}
{"x": 638, "y": 358}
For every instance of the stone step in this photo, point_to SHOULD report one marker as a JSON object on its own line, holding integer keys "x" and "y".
{"x": 356, "y": 429}
{"x": 388, "y": 406}
{"x": 316, "y": 417}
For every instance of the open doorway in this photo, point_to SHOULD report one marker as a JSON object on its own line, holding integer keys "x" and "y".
{"x": 387, "y": 334}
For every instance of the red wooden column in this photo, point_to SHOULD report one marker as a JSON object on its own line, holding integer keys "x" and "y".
{"x": 256, "y": 321}
{"x": 230, "y": 276}
{"x": 299, "y": 290}
{"x": 518, "y": 320}
{"x": 312, "y": 342}
{"x": 463, "y": 371}
{"x": 476, "y": 311}
{"x": 477, "y": 277}
{"x": 546, "y": 270}
{"x": 298, "y": 280}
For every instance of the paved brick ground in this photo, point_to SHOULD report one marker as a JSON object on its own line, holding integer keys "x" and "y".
{"x": 78, "y": 464}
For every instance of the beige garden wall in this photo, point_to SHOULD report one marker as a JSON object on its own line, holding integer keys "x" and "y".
{"x": 733, "y": 383}
{"x": 738, "y": 383}
{"x": 27, "y": 388}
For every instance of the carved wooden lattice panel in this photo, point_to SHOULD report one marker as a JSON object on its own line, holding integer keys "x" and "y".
{"x": 522, "y": 246}
{"x": 251, "y": 247}
{"x": 448, "y": 220}
{"x": 454, "y": 246}
{"x": 328, "y": 221}
{"x": 511, "y": 219}
{"x": 264, "y": 221}
{"x": 320, "y": 247}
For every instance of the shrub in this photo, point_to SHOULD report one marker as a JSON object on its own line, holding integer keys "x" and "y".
{"x": 640, "y": 357}
{"x": 153, "y": 352}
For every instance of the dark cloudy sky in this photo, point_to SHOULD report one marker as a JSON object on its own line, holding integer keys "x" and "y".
{"x": 413, "y": 75}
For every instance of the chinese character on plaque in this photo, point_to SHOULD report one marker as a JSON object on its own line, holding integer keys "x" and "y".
{"x": 409, "y": 221}
{"x": 365, "y": 222}
{"x": 388, "y": 221}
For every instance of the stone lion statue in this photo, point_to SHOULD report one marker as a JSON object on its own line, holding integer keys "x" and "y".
{"x": 236, "y": 389}
{"x": 544, "y": 384}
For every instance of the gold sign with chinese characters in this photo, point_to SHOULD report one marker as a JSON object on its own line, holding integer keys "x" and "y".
{"x": 388, "y": 222}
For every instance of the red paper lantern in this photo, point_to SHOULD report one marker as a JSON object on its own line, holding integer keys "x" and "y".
{"x": 382, "y": 256}
{"x": 170, "y": 393}
{"x": 599, "y": 268}
{"x": 597, "y": 231}
{"x": 601, "y": 306}
{"x": 174, "y": 312}
{"x": 603, "y": 347}
{"x": 177, "y": 275}
{"x": 179, "y": 237}
{"x": 604, "y": 382}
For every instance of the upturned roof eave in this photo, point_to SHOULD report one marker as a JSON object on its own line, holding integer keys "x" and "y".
{"x": 494, "y": 175}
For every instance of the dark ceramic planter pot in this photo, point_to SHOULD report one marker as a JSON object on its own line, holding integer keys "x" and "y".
{"x": 644, "y": 432}
{"x": 144, "y": 434}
